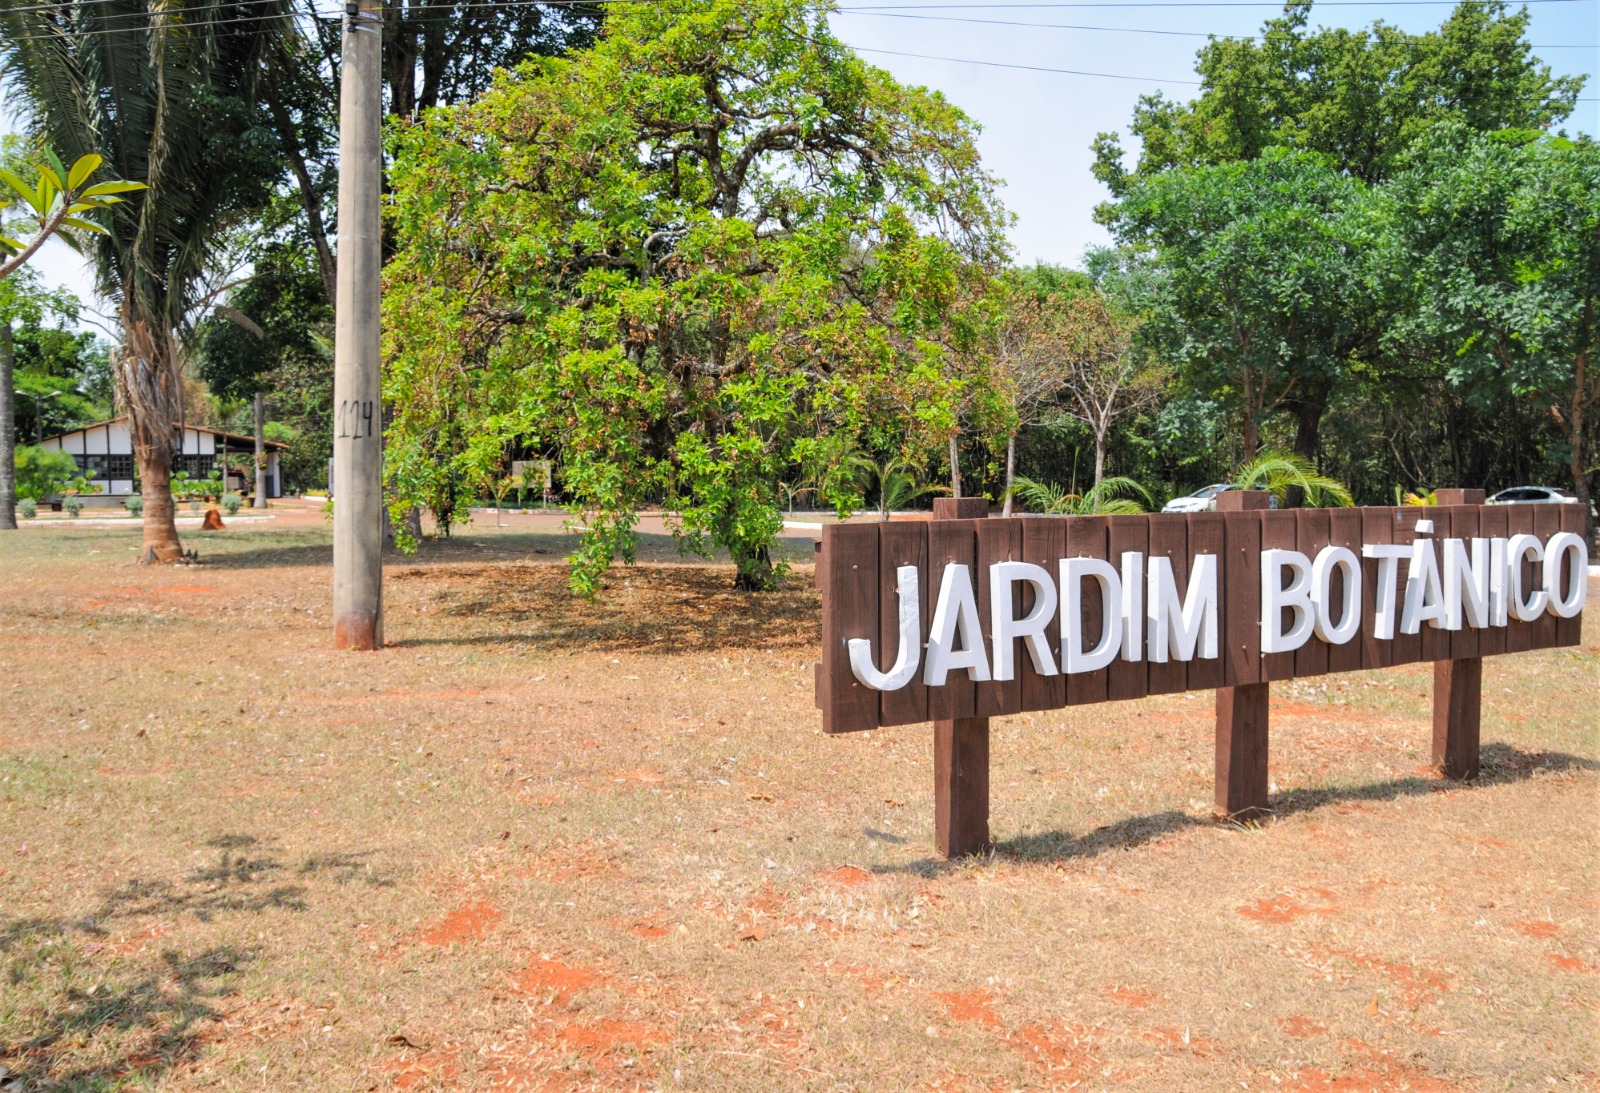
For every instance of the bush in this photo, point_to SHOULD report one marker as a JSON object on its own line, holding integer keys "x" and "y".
{"x": 73, "y": 504}
{"x": 135, "y": 505}
{"x": 232, "y": 503}
{"x": 43, "y": 471}
{"x": 27, "y": 508}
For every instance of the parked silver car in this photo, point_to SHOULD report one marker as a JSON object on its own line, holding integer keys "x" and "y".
{"x": 1533, "y": 495}
{"x": 1202, "y": 500}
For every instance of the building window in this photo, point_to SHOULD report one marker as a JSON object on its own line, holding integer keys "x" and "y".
{"x": 119, "y": 466}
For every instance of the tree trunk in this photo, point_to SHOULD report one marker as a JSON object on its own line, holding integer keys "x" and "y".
{"x": 955, "y": 466}
{"x": 1011, "y": 468}
{"x": 1308, "y": 413}
{"x": 8, "y": 431}
{"x": 150, "y": 389}
{"x": 260, "y": 499}
{"x": 161, "y": 543}
{"x": 1251, "y": 438}
{"x": 1099, "y": 456}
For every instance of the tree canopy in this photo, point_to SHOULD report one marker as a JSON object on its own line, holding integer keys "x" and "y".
{"x": 680, "y": 261}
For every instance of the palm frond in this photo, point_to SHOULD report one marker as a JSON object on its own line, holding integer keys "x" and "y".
{"x": 1277, "y": 472}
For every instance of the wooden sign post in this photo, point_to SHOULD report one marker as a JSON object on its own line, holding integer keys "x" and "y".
{"x": 965, "y": 617}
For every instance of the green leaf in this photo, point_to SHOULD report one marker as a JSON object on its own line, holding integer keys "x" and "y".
{"x": 101, "y": 188}
{"x": 82, "y": 224}
{"x": 86, "y": 166}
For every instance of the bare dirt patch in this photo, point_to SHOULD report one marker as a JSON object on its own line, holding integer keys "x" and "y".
{"x": 542, "y": 844}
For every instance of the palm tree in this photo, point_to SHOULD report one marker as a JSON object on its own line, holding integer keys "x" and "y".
{"x": 166, "y": 95}
{"x": 1115, "y": 496}
{"x": 1278, "y": 472}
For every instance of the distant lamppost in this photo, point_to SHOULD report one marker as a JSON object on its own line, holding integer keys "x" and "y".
{"x": 38, "y": 414}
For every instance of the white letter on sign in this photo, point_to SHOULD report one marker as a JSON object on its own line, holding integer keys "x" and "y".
{"x": 1566, "y": 605}
{"x": 905, "y": 662}
{"x": 1520, "y": 547}
{"x": 1383, "y": 613}
{"x": 1424, "y": 589}
{"x": 1275, "y": 597}
{"x": 1007, "y": 629}
{"x": 1132, "y": 608}
{"x": 1330, "y": 558}
{"x": 955, "y": 611}
{"x": 1466, "y": 584}
{"x": 1074, "y": 571}
{"x": 1181, "y": 629}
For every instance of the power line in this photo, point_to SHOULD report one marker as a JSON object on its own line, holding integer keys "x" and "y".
{"x": 1112, "y": 30}
{"x": 1026, "y": 68}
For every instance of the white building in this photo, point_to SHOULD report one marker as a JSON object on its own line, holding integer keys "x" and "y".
{"x": 104, "y": 452}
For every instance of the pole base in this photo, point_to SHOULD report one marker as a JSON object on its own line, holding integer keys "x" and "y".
{"x": 357, "y": 633}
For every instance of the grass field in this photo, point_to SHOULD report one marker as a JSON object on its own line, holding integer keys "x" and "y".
{"x": 544, "y": 844}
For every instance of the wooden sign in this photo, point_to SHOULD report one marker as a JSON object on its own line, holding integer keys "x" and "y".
{"x": 962, "y": 618}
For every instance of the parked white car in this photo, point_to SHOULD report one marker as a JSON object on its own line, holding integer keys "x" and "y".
{"x": 1533, "y": 495}
{"x": 1203, "y": 500}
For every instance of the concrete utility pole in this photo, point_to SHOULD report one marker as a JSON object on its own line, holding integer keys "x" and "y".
{"x": 260, "y": 501}
{"x": 357, "y": 394}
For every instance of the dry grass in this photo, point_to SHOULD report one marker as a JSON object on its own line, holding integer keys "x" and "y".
{"x": 541, "y": 844}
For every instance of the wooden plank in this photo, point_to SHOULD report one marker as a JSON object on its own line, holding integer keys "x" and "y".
{"x": 1569, "y": 631}
{"x": 1205, "y": 534}
{"x": 1492, "y": 525}
{"x": 1466, "y": 525}
{"x": 1310, "y": 536}
{"x": 1044, "y": 544}
{"x": 1520, "y": 520}
{"x": 1458, "y": 497}
{"x": 902, "y": 543}
{"x": 1377, "y": 526}
{"x": 1088, "y": 537}
{"x": 1457, "y": 703}
{"x": 1169, "y": 538}
{"x": 1436, "y": 640}
{"x": 1344, "y": 529}
{"x": 1547, "y": 522}
{"x": 961, "y": 786}
{"x": 849, "y": 610}
{"x": 960, "y": 508}
{"x": 1241, "y": 759}
{"x": 951, "y": 542}
{"x": 1406, "y": 648}
{"x": 1241, "y": 576}
{"x": 1128, "y": 678}
{"x": 998, "y": 541}
{"x": 1278, "y": 532}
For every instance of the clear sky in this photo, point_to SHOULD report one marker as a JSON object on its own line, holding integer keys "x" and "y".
{"x": 1038, "y": 125}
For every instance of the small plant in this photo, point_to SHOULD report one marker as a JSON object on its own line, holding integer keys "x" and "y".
{"x": 1421, "y": 497}
{"x": 232, "y": 503}
{"x": 73, "y": 504}
{"x": 27, "y": 508}
{"x": 134, "y": 504}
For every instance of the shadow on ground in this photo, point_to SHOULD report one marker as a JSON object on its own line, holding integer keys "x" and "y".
{"x": 1500, "y": 764}
{"x": 148, "y": 1022}
{"x": 666, "y": 609}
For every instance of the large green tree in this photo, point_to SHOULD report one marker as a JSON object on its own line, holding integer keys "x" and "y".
{"x": 680, "y": 261}
{"x": 1266, "y": 282}
{"x": 168, "y": 97}
{"x": 1359, "y": 97}
{"x": 1498, "y": 242}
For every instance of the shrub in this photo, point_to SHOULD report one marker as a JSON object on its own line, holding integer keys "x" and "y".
{"x": 231, "y": 503}
{"x": 73, "y": 504}
{"x": 135, "y": 505}
{"x": 42, "y": 471}
{"x": 27, "y": 508}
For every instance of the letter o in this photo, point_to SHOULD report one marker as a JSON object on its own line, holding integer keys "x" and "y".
{"x": 1330, "y": 558}
{"x": 1565, "y": 604}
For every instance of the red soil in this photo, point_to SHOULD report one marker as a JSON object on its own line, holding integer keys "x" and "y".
{"x": 1535, "y": 928}
{"x": 846, "y": 876}
{"x": 463, "y": 924}
{"x": 1132, "y": 997}
{"x": 1302, "y": 1028}
{"x": 557, "y": 981}
{"x": 975, "y": 1006}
